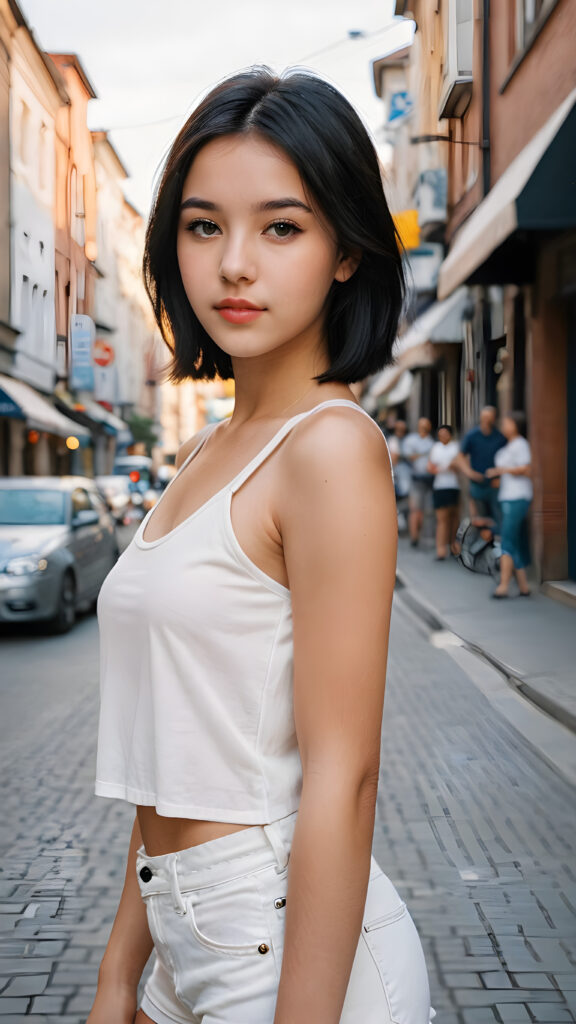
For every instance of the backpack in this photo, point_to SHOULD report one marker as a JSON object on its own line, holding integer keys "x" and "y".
{"x": 478, "y": 550}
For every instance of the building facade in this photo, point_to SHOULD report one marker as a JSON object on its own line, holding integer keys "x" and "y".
{"x": 58, "y": 412}
{"x": 501, "y": 82}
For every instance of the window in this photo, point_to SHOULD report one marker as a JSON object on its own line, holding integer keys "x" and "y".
{"x": 25, "y": 304}
{"x": 458, "y": 26}
{"x": 30, "y": 507}
{"x": 43, "y": 157}
{"x": 36, "y": 320}
{"x": 80, "y": 501}
{"x": 529, "y": 14}
{"x": 25, "y": 128}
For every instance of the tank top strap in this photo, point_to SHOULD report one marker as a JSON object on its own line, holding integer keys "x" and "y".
{"x": 203, "y": 435}
{"x": 286, "y": 428}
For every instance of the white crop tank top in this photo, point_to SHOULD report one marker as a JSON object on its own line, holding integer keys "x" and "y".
{"x": 196, "y": 714}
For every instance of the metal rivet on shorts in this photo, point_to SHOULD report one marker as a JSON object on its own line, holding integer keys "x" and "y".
{"x": 263, "y": 948}
{"x": 279, "y": 903}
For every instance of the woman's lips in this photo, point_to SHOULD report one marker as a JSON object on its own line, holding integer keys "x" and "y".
{"x": 239, "y": 315}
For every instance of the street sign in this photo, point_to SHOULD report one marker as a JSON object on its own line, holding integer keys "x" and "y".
{"x": 400, "y": 106}
{"x": 81, "y": 340}
{"x": 102, "y": 353}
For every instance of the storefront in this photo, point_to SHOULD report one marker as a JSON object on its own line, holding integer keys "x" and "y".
{"x": 522, "y": 237}
{"x": 426, "y": 376}
{"x": 35, "y": 438}
{"x": 110, "y": 434}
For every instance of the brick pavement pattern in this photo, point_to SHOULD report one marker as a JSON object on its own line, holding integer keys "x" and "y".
{"x": 477, "y": 833}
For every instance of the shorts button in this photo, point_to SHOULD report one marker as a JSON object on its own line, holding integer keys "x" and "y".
{"x": 279, "y": 903}
{"x": 263, "y": 948}
{"x": 145, "y": 873}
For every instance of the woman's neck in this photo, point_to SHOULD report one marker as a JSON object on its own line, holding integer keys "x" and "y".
{"x": 281, "y": 383}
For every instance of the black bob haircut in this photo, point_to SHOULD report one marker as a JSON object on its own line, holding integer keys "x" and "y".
{"x": 324, "y": 137}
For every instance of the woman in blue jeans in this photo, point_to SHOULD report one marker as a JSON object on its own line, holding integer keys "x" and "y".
{"x": 514, "y": 468}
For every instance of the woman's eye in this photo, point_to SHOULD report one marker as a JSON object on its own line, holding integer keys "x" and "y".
{"x": 203, "y": 228}
{"x": 283, "y": 229}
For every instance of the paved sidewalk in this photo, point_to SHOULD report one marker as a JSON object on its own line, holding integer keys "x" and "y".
{"x": 476, "y": 831}
{"x": 532, "y": 641}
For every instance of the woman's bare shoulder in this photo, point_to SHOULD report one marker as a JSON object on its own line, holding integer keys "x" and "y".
{"x": 338, "y": 436}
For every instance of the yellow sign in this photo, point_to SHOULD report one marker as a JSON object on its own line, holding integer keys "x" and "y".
{"x": 406, "y": 222}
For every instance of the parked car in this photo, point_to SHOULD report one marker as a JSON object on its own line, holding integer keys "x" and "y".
{"x": 117, "y": 495}
{"x": 57, "y": 543}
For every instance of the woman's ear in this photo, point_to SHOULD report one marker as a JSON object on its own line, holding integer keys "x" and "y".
{"x": 347, "y": 265}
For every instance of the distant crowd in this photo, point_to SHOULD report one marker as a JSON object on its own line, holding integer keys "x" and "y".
{"x": 497, "y": 463}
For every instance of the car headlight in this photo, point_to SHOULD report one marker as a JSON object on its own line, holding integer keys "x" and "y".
{"x": 25, "y": 565}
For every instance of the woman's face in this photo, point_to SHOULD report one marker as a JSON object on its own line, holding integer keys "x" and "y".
{"x": 444, "y": 436}
{"x": 247, "y": 237}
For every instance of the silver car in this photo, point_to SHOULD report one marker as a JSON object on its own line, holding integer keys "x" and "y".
{"x": 57, "y": 543}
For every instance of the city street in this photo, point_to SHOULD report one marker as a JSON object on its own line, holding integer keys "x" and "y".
{"x": 474, "y": 828}
{"x": 153, "y": 288}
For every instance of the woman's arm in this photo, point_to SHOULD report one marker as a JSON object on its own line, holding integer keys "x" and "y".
{"x": 127, "y": 951}
{"x": 461, "y": 463}
{"x": 338, "y": 525}
{"x": 513, "y": 470}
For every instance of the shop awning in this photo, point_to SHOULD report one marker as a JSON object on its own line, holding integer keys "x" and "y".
{"x": 536, "y": 192}
{"x": 401, "y": 390}
{"x": 111, "y": 423}
{"x": 93, "y": 414}
{"x": 37, "y": 410}
{"x": 441, "y": 322}
{"x": 385, "y": 381}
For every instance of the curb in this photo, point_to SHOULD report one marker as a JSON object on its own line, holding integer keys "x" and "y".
{"x": 518, "y": 683}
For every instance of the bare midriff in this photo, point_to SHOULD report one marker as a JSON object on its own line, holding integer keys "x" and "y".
{"x": 162, "y": 835}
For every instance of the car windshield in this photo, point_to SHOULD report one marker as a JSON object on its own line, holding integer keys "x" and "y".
{"x": 31, "y": 508}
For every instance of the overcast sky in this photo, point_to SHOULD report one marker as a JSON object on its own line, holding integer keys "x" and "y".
{"x": 149, "y": 61}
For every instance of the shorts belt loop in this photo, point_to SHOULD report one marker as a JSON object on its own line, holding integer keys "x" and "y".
{"x": 179, "y": 905}
{"x": 281, "y": 851}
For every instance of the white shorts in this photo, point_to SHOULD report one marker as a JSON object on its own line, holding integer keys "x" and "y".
{"x": 216, "y": 915}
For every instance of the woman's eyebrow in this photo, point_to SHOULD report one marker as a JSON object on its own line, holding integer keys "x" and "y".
{"x": 281, "y": 204}
{"x": 272, "y": 204}
{"x": 198, "y": 204}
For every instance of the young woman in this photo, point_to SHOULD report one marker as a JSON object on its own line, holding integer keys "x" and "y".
{"x": 513, "y": 467}
{"x": 445, "y": 491}
{"x": 244, "y": 630}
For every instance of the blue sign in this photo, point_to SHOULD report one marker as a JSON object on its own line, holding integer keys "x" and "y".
{"x": 82, "y": 334}
{"x": 400, "y": 106}
{"x": 8, "y": 407}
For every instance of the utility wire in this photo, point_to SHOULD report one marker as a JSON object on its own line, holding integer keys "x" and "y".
{"x": 300, "y": 60}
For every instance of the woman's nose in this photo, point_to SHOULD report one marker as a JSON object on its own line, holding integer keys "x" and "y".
{"x": 237, "y": 261}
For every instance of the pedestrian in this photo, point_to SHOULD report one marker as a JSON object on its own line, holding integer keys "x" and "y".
{"x": 445, "y": 490}
{"x": 402, "y": 471}
{"x": 244, "y": 630}
{"x": 477, "y": 454}
{"x": 514, "y": 471}
{"x": 417, "y": 449}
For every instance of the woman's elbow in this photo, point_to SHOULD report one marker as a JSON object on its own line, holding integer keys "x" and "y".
{"x": 355, "y": 786}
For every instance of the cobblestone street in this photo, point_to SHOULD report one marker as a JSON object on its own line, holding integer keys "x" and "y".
{"x": 476, "y": 831}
